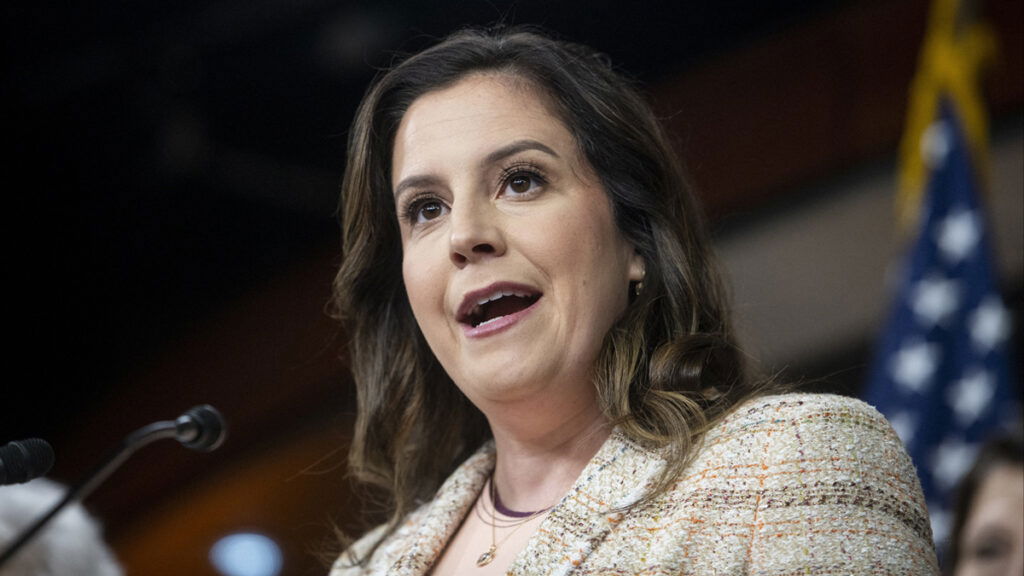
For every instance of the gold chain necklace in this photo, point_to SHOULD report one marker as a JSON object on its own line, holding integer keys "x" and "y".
{"x": 488, "y": 556}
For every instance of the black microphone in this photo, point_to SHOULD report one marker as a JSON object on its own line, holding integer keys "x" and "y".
{"x": 23, "y": 460}
{"x": 200, "y": 428}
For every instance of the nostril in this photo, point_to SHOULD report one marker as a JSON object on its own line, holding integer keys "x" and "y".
{"x": 469, "y": 245}
{"x": 460, "y": 257}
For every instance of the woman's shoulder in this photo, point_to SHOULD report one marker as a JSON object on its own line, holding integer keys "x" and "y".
{"x": 805, "y": 402}
{"x": 429, "y": 524}
{"x": 829, "y": 414}
{"x": 376, "y": 549}
{"x": 834, "y": 450}
{"x": 351, "y": 560}
{"x": 813, "y": 434}
{"x": 817, "y": 473}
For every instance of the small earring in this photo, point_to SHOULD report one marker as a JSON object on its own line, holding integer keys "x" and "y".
{"x": 639, "y": 286}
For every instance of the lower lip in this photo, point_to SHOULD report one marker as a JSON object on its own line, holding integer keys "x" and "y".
{"x": 498, "y": 325}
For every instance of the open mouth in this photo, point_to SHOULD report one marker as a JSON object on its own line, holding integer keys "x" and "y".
{"x": 491, "y": 307}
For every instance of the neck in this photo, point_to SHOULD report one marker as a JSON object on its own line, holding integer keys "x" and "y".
{"x": 539, "y": 458}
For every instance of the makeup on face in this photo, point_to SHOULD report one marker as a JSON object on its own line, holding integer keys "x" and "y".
{"x": 512, "y": 262}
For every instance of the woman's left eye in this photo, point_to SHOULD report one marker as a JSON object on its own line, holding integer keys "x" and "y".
{"x": 520, "y": 183}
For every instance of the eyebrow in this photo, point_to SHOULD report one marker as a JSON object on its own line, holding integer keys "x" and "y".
{"x": 517, "y": 147}
{"x": 501, "y": 153}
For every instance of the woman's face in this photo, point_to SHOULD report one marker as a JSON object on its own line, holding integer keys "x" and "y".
{"x": 992, "y": 539}
{"x": 513, "y": 264}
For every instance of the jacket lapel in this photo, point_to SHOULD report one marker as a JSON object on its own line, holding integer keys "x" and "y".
{"x": 435, "y": 525}
{"x": 617, "y": 476}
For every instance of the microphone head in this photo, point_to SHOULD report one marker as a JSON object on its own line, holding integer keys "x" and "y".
{"x": 24, "y": 460}
{"x": 201, "y": 428}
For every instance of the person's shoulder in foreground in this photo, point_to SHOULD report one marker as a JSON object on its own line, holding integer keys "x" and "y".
{"x": 786, "y": 484}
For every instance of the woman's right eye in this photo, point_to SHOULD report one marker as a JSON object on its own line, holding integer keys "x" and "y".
{"x": 424, "y": 210}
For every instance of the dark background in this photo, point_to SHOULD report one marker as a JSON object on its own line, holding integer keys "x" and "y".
{"x": 166, "y": 157}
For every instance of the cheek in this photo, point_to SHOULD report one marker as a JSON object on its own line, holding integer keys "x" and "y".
{"x": 601, "y": 248}
{"x": 423, "y": 286}
{"x": 575, "y": 237}
{"x": 587, "y": 246}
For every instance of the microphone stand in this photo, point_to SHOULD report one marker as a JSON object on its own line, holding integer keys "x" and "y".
{"x": 186, "y": 429}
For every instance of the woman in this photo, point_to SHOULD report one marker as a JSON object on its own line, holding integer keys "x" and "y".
{"x": 988, "y": 528}
{"x": 548, "y": 381}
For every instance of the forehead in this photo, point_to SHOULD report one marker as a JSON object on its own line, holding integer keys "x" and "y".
{"x": 1004, "y": 481}
{"x": 479, "y": 112}
{"x": 999, "y": 498}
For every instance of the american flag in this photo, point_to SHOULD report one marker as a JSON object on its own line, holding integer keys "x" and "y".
{"x": 941, "y": 373}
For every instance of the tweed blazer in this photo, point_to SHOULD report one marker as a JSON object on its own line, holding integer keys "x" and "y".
{"x": 791, "y": 484}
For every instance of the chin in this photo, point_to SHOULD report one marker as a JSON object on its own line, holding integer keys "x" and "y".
{"x": 500, "y": 385}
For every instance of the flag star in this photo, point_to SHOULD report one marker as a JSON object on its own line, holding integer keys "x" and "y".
{"x": 950, "y": 462}
{"x": 905, "y": 425}
{"x": 913, "y": 365}
{"x": 934, "y": 298}
{"x": 970, "y": 396}
{"x": 936, "y": 142}
{"x": 941, "y": 521}
{"x": 988, "y": 324}
{"x": 958, "y": 234}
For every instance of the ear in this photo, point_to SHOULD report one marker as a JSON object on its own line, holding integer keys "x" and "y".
{"x": 637, "y": 267}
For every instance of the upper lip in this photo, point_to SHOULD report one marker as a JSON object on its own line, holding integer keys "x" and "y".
{"x": 474, "y": 298}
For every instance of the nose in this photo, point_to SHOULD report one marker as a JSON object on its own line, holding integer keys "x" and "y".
{"x": 476, "y": 233}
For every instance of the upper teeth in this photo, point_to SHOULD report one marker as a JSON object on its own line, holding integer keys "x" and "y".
{"x": 501, "y": 294}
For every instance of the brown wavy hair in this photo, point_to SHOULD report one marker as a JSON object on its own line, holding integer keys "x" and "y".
{"x": 669, "y": 367}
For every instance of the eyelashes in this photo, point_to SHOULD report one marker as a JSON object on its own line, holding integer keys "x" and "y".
{"x": 519, "y": 180}
{"x": 514, "y": 174}
{"x": 422, "y": 207}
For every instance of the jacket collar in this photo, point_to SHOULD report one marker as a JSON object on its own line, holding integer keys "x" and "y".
{"x": 440, "y": 518}
{"x": 617, "y": 476}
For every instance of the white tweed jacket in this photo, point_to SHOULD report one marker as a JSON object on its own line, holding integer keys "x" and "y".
{"x": 792, "y": 484}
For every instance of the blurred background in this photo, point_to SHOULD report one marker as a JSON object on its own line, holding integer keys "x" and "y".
{"x": 170, "y": 235}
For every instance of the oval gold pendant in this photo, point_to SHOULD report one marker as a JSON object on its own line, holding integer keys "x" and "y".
{"x": 486, "y": 558}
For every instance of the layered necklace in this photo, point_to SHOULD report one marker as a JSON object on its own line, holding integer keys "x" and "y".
{"x": 498, "y": 516}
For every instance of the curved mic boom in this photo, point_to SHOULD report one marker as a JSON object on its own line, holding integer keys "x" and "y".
{"x": 200, "y": 428}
